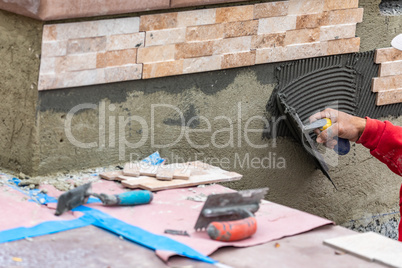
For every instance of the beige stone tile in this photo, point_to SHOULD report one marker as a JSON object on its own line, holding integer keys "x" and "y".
{"x": 116, "y": 58}
{"x": 86, "y": 45}
{"x": 160, "y": 69}
{"x": 276, "y": 24}
{"x": 268, "y": 40}
{"x": 340, "y": 4}
{"x": 165, "y": 37}
{"x": 238, "y": 59}
{"x": 273, "y": 54}
{"x": 302, "y": 36}
{"x": 386, "y": 83}
{"x": 387, "y": 54}
{"x": 236, "y": 13}
{"x": 343, "y": 46}
{"x": 299, "y": 7}
{"x": 205, "y": 33}
{"x": 76, "y": 30}
{"x": 118, "y": 26}
{"x": 232, "y": 45}
{"x": 77, "y": 62}
{"x": 123, "y": 73}
{"x": 240, "y": 28}
{"x": 131, "y": 169}
{"x": 47, "y": 65}
{"x": 390, "y": 68}
{"x": 389, "y": 97}
{"x": 202, "y": 64}
{"x": 156, "y": 54}
{"x": 312, "y": 20}
{"x": 158, "y": 21}
{"x": 55, "y": 48}
{"x": 125, "y": 41}
{"x": 340, "y": 31}
{"x": 192, "y": 50}
{"x": 196, "y": 17}
{"x": 345, "y": 16}
{"x": 303, "y": 51}
{"x": 272, "y": 9}
{"x": 47, "y": 81}
{"x": 82, "y": 78}
{"x": 49, "y": 33}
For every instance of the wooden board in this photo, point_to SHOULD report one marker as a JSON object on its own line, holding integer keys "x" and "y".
{"x": 370, "y": 246}
{"x": 201, "y": 173}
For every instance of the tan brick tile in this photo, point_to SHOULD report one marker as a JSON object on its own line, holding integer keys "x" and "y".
{"x": 125, "y": 41}
{"x": 345, "y": 16}
{"x": 302, "y": 36}
{"x": 276, "y": 24}
{"x": 55, "y": 48}
{"x": 386, "y": 83}
{"x": 47, "y": 65}
{"x": 340, "y": 31}
{"x": 232, "y": 45}
{"x": 49, "y": 33}
{"x": 77, "y": 62}
{"x": 312, "y": 20}
{"x": 77, "y": 30}
{"x": 241, "y": 28}
{"x": 156, "y": 54}
{"x": 205, "y": 33}
{"x": 118, "y": 26}
{"x": 343, "y": 46}
{"x": 302, "y": 51}
{"x": 202, "y": 64}
{"x": 390, "y": 68}
{"x": 274, "y": 54}
{"x": 47, "y": 81}
{"x": 196, "y": 17}
{"x": 82, "y": 78}
{"x": 116, "y": 58}
{"x": 238, "y": 59}
{"x": 85, "y": 45}
{"x": 299, "y": 7}
{"x": 272, "y": 9}
{"x": 123, "y": 73}
{"x": 192, "y": 50}
{"x": 165, "y": 37}
{"x": 340, "y": 4}
{"x": 389, "y": 97}
{"x": 387, "y": 54}
{"x": 158, "y": 21}
{"x": 268, "y": 40}
{"x": 160, "y": 69}
{"x": 237, "y": 13}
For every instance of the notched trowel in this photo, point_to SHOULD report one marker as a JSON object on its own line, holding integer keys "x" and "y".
{"x": 301, "y": 133}
{"x": 79, "y": 196}
{"x": 230, "y": 216}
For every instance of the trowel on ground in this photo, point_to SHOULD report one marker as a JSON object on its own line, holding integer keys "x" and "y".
{"x": 79, "y": 196}
{"x": 229, "y": 216}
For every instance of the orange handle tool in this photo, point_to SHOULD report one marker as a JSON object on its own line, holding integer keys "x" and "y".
{"x": 232, "y": 230}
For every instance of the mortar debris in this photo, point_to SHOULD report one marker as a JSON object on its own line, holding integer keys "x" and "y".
{"x": 61, "y": 181}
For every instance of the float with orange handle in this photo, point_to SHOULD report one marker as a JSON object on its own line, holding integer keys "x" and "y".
{"x": 229, "y": 216}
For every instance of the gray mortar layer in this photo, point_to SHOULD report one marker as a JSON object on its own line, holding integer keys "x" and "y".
{"x": 365, "y": 186}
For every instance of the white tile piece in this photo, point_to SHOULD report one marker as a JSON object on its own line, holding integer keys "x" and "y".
{"x": 202, "y": 64}
{"x": 276, "y": 24}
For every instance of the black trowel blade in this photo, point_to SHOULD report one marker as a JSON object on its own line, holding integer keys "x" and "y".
{"x": 296, "y": 127}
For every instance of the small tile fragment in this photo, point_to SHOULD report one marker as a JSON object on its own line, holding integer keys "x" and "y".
{"x": 131, "y": 169}
{"x": 268, "y": 40}
{"x": 389, "y": 97}
{"x": 158, "y": 21}
{"x": 240, "y": 28}
{"x": 390, "y": 68}
{"x": 302, "y": 36}
{"x": 165, "y": 37}
{"x": 387, "y": 54}
{"x": 386, "y": 82}
{"x": 238, "y": 59}
{"x": 236, "y": 13}
{"x": 160, "y": 69}
{"x": 156, "y": 54}
{"x": 193, "y": 50}
{"x": 205, "y": 32}
{"x": 343, "y": 46}
{"x": 276, "y": 24}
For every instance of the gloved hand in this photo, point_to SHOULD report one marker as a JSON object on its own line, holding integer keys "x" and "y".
{"x": 343, "y": 125}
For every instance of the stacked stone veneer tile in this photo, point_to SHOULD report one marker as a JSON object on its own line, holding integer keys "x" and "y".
{"x": 104, "y": 51}
{"x": 389, "y": 83}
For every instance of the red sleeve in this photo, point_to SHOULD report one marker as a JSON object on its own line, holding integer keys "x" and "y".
{"x": 385, "y": 143}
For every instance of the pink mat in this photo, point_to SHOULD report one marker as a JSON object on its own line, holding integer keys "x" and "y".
{"x": 170, "y": 209}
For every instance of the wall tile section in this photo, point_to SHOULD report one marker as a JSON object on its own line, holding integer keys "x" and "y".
{"x": 389, "y": 83}
{"x": 157, "y": 45}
